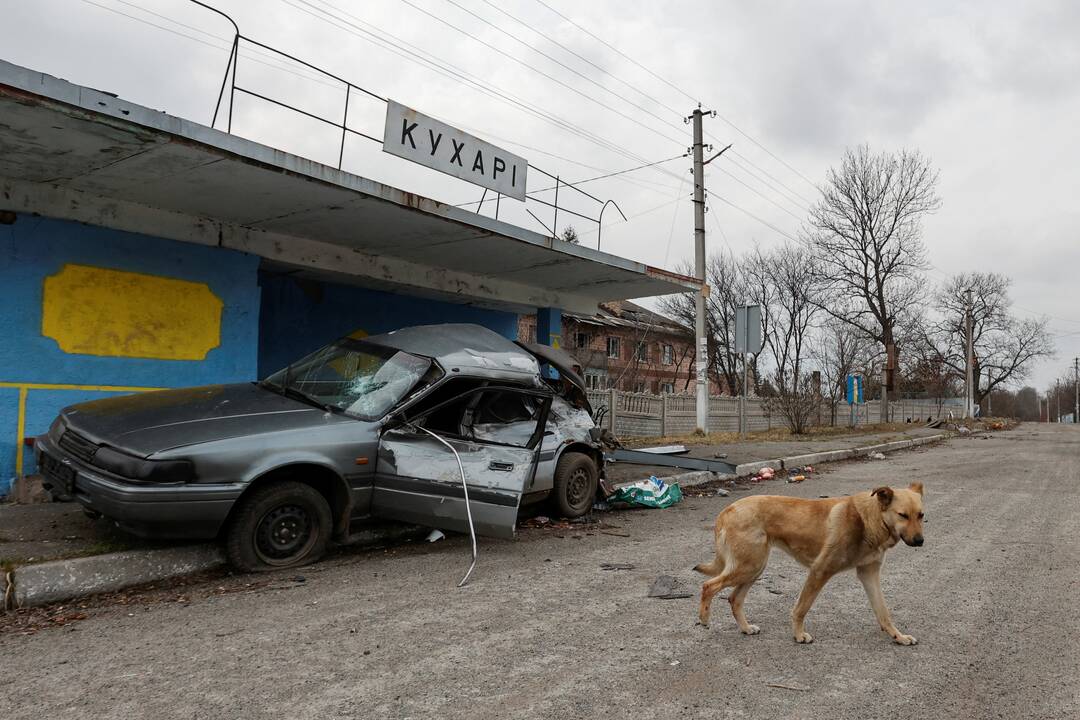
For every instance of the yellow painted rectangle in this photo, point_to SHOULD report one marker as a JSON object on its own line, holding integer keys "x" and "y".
{"x": 114, "y": 313}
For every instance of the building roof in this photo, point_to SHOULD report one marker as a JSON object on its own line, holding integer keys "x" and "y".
{"x": 626, "y": 314}
{"x": 76, "y": 153}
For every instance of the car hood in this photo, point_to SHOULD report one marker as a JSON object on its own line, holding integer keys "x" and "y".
{"x": 153, "y": 422}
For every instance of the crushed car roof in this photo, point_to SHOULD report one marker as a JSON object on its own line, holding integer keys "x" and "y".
{"x": 461, "y": 345}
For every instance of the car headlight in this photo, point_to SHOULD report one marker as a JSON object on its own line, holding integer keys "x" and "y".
{"x": 129, "y": 466}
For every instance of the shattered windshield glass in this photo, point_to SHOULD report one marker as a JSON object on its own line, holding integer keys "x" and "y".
{"x": 355, "y": 377}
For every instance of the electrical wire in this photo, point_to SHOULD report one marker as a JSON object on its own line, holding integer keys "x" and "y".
{"x": 677, "y": 89}
{"x": 536, "y": 70}
{"x": 558, "y": 62}
{"x": 417, "y": 55}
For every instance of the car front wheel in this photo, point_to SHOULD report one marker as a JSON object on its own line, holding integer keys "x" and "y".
{"x": 575, "y": 483}
{"x": 279, "y": 525}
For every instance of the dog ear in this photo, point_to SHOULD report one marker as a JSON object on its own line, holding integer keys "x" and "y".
{"x": 916, "y": 486}
{"x": 884, "y": 496}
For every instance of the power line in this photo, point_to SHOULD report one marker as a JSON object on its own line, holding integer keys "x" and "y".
{"x": 584, "y": 59}
{"x": 536, "y": 70}
{"x": 417, "y": 55}
{"x": 227, "y": 46}
{"x": 643, "y": 212}
{"x": 613, "y": 174}
{"x": 760, "y": 194}
{"x": 611, "y": 47}
{"x": 755, "y": 217}
{"x": 558, "y": 62}
{"x": 677, "y": 89}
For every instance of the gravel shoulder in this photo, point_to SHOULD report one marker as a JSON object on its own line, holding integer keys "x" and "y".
{"x": 542, "y": 630}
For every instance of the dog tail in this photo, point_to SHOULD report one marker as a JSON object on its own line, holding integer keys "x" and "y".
{"x": 712, "y": 568}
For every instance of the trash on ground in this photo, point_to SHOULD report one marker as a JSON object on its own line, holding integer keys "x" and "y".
{"x": 787, "y": 686}
{"x": 963, "y": 430}
{"x": 720, "y": 456}
{"x": 617, "y": 566}
{"x": 765, "y": 473}
{"x": 796, "y": 478}
{"x": 651, "y": 493}
{"x": 435, "y": 535}
{"x": 808, "y": 469}
{"x": 667, "y": 587}
{"x": 601, "y": 506}
{"x": 876, "y": 456}
{"x": 616, "y": 533}
{"x": 674, "y": 663}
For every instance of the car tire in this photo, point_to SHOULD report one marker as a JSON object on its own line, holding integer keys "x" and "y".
{"x": 280, "y": 525}
{"x": 576, "y": 478}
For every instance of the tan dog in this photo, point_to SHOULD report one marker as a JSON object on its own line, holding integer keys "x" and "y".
{"x": 827, "y": 536}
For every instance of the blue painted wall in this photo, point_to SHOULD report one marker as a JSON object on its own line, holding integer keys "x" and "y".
{"x": 34, "y": 248}
{"x": 299, "y": 316}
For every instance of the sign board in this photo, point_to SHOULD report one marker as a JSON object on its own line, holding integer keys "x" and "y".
{"x": 748, "y": 329}
{"x": 424, "y": 140}
{"x": 855, "y": 390}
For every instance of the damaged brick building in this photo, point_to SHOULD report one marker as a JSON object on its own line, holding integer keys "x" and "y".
{"x": 627, "y": 347}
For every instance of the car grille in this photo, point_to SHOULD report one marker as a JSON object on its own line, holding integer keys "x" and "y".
{"x": 78, "y": 446}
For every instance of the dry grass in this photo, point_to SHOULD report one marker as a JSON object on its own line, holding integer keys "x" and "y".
{"x": 777, "y": 434}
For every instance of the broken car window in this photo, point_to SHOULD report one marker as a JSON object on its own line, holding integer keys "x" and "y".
{"x": 355, "y": 377}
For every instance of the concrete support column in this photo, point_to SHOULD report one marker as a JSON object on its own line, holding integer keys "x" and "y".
{"x": 549, "y": 327}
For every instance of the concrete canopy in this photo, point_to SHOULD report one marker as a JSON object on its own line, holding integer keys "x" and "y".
{"x": 75, "y": 153}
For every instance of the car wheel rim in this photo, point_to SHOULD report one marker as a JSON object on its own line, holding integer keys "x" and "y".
{"x": 577, "y": 489}
{"x": 285, "y": 534}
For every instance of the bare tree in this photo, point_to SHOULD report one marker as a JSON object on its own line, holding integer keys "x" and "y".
{"x": 723, "y": 275}
{"x": 839, "y": 350}
{"x": 867, "y": 233}
{"x": 784, "y": 279}
{"x": 1005, "y": 347}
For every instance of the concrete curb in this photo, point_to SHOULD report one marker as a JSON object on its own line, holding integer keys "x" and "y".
{"x": 700, "y": 477}
{"x": 59, "y": 580}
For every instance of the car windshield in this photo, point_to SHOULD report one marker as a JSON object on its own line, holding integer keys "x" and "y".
{"x": 355, "y": 377}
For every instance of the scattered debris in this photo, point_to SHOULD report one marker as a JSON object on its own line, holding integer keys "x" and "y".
{"x": 666, "y": 587}
{"x": 720, "y": 456}
{"x": 796, "y": 478}
{"x": 774, "y": 591}
{"x": 674, "y": 663}
{"x": 765, "y": 473}
{"x": 787, "y": 686}
{"x": 876, "y": 456}
{"x": 601, "y": 506}
{"x": 651, "y": 493}
{"x": 963, "y": 430}
{"x": 616, "y": 533}
{"x": 617, "y": 566}
{"x": 541, "y": 520}
{"x": 435, "y": 535}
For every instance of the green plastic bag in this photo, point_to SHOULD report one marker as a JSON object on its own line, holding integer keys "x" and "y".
{"x": 651, "y": 493}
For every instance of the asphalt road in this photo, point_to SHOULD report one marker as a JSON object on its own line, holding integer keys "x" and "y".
{"x": 542, "y": 631}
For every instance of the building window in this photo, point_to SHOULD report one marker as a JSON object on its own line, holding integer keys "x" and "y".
{"x": 596, "y": 379}
{"x": 641, "y": 352}
{"x": 613, "y": 347}
{"x": 667, "y": 355}
{"x": 639, "y": 387}
{"x": 581, "y": 340}
{"x": 667, "y": 388}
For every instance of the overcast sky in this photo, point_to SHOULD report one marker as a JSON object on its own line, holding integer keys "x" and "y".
{"x": 989, "y": 91}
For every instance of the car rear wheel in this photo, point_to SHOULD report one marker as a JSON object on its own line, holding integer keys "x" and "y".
{"x": 576, "y": 478}
{"x": 280, "y": 525}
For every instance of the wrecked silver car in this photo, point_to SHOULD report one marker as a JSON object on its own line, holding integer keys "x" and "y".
{"x": 360, "y": 429}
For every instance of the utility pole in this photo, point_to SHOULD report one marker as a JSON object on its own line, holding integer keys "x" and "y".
{"x": 1076, "y": 381}
{"x": 969, "y": 381}
{"x": 702, "y": 354}
{"x": 699, "y": 273}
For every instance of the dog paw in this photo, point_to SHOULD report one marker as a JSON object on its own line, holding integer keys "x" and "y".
{"x": 805, "y": 638}
{"x": 699, "y": 623}
{"x": 901, "y": 639}
{"x": 751, "y": 630}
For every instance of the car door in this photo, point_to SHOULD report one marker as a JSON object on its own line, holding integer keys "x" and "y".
{"x": 494, "y": 431}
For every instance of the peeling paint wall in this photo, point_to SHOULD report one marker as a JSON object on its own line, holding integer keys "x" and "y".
{"x": 87, "y": 310}
{"x": 299, "y": 316}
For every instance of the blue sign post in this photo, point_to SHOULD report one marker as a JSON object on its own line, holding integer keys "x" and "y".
{"x": 854, "y": 394}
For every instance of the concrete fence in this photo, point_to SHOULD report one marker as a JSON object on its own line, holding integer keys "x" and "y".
{"x": 645, "y": 415}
